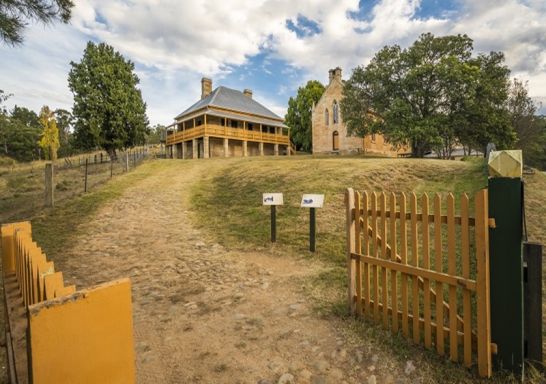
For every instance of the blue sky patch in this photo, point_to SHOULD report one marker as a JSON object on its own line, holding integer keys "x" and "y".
{"x": 303, "y": 26}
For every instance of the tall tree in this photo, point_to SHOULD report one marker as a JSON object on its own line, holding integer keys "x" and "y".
{"x": 20, "y": 132}
{"x": 298, "y": 115}
{"x": 486, "y": 118}
{"x": 4, "y": 121}
{"x": 25, "y": 116}
{"x": 14, "y": 13}
{"x": 522, "y": 114}
{"x": 108, "y": 108}
{"x": 422, "y": 95}
{"x": 64, "y": 123}
{"x": 530, "y": 128}
{"x": 49, "y": 139}
{"x": 155, "y": 134}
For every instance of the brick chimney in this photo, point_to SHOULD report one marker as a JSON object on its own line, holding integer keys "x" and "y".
{"x": 330, "y": 75}
{"x": 248, "y": 93}
{"x": 206, "y": 87}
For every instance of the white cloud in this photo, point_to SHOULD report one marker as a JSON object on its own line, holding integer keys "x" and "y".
{"x": 174, "y": 43}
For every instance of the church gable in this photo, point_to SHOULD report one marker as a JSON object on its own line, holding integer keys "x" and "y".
{"x": 329, "y": 134}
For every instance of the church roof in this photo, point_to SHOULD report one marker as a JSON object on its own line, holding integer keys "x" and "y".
{"x": 231, "y": 99}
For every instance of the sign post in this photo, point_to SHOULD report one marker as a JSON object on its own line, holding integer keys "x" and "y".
{"x": 273, "y": 199}
{"x": 312, "y": 202}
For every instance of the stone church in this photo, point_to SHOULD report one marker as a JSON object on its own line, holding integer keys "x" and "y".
{"x": 329, "y": 133}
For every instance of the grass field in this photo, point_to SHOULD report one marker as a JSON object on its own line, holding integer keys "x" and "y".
{"x": 226, "y": 202}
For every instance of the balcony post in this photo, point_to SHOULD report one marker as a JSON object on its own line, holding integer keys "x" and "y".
{"x": 245, "y": 148}
{"x": 226, "y": 147}
{"x": 206, "y": 145}
{"x": 195, "y": 154}
{"x": 184, "y": 149}
{"x": 276, "y": 149}
{"x": 261, "y": 148}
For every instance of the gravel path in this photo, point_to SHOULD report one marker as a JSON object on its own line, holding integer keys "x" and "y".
{"x": 203, "y": 314}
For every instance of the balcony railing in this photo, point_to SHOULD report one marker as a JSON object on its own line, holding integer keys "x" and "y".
{"x": 226, "y": 132}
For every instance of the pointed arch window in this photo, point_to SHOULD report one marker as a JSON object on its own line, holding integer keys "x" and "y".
{"x": 335, "y": 110}
{"x": 326, "y": 117}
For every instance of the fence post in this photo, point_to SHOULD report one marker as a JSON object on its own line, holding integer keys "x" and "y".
{"x": 532, "y": 257}
{"x": 483, "y": 308}
{"x": 85, "y": 182}
{"x": 101, "y": 157}
{"x": 505, "y": 247}
{"x": 49, "y": 185}
{"x": 350, "y": 228}
{"x": 127, "y": 161}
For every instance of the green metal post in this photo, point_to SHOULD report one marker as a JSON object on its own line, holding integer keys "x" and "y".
{"x": 273, "y": 223}
{"x": 506, "y": 272}
{"x": 312, "y": 229}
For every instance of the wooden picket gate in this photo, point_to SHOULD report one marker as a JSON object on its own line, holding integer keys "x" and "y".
{"x": 394, "y": 280}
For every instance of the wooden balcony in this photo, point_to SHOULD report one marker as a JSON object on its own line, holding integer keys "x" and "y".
{"x": 213, "y": 130}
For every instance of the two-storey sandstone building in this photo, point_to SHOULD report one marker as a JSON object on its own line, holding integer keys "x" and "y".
{"x": 226, "y": 122}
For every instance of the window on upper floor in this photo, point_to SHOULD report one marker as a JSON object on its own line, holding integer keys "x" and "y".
{"x": 335, "y": 110}
{"x": 326, "y": 117}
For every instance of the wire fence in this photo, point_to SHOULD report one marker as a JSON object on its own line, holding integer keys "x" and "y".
{"x": 22, "y": 189}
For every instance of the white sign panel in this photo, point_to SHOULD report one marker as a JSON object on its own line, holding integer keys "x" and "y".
{"x": 312, "y": 201}
{"x": 272, "y": 199}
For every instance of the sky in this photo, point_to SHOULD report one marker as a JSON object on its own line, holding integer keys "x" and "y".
{"x": 270, "y": 46}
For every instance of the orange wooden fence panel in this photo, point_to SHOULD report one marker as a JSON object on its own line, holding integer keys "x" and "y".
{"x": 409, "y": 269}
{"x": 83, "y": 337}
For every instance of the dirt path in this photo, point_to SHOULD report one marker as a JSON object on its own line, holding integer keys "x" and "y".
{"x": 203, "y": 314}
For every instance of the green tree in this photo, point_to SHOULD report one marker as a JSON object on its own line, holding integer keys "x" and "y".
{"x": 4, "y": 120}
{"x": 424, "y": 96}
{"x": 108, "y": 108}
{"x": 25, "y": 116}
{"x": 535, "y": 155}
{"x": 49, "y": 139}
{"x": 155, "y": 134}
{"x": 20, "y": 131}
{"x": 530, "y": 128}
{"x": 485, "y": 116}
{"x": 13, "y": 14}
{"x": 64, "y": 123}
{"x": 298, "y": 116}
{"x": 522, "y": 111}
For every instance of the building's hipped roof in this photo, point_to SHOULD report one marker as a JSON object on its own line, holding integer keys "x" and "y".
{"x": 232, "y": 99}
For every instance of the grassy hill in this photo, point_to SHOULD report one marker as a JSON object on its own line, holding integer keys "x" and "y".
{"x": 226, "y": 203}
{"x": 229, "y": 202}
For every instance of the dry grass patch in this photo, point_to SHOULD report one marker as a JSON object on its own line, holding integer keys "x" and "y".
{"x": 227, "y": 203}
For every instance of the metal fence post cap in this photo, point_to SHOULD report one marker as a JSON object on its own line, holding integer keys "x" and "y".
{"x": 505, "y": 164}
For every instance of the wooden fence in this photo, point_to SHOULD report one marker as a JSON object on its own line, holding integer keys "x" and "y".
{"x": 53, "y": 332}
{"x": 423, "y": 270}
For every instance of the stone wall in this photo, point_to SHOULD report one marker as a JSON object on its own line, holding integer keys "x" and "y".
{"x": 323, "y": 132}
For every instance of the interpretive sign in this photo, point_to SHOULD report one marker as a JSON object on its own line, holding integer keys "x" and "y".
{"x": 312, "y": 201}
{"x": 272, "y": 199}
